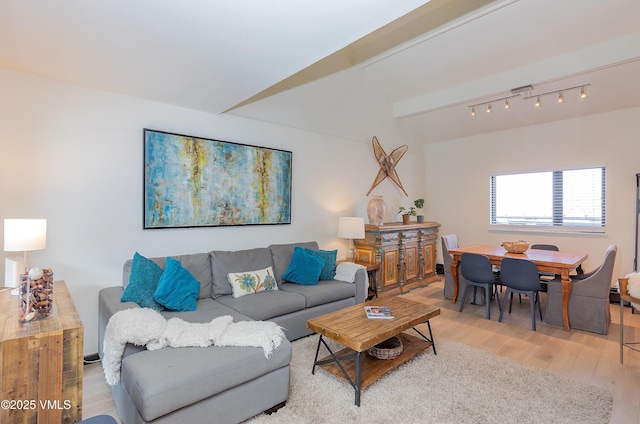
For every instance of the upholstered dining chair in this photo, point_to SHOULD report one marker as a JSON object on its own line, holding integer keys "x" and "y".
{"x": 589, "y": 308}
{"x": 521, "y": 276}
{"x": 450, "y": 241}
{"x": 478, "y": 272}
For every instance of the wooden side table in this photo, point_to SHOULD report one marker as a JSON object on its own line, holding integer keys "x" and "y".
{"x": 41, "y": 362}
{"x": 372, "y": 267}
{"x": 626, "y": 297}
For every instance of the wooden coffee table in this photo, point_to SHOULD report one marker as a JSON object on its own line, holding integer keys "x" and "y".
{"x": 351, "y": 328}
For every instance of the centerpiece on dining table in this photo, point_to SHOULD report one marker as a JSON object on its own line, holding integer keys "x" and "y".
{"x": 519, "y": 246}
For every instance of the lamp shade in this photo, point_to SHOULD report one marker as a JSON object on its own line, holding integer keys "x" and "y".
{"x": 351, "y": 227}
{"x": 25, "y": 234}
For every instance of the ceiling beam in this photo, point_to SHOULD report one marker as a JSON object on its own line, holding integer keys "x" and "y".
{"x": 424, "y": 19}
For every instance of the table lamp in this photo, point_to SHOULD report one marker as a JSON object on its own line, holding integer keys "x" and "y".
{"x": 351, "y": 228}
{"x": 23, "y": 235}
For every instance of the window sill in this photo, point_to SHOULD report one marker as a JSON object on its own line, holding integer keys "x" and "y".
{"x": 540, "y": 229}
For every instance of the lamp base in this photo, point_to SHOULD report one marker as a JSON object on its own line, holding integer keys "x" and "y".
{"x": 12, "y": 269}
{"x": 351, "y": 256}
{"x": 351, "y": 253}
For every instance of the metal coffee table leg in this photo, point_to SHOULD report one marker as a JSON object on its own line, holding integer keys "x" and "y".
{"x": 357, "y": 385}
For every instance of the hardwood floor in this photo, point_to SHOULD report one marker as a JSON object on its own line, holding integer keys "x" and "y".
{"x": 587, "y": 357}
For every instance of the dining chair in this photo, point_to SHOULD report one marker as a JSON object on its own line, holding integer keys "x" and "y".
{"x": 545, "y": 247}
{"x": 478, "y": 272}
{"x": 545, "y": 276}
{"x": 555, "y": 249}
{"x": 450, "y": 241}
{"x": 589, "y": 308}
{"x": 521, "y": 276}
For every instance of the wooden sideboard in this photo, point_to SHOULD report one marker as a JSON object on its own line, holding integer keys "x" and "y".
{"x": 406, "y": 254}
{"x": 41, "y": 362}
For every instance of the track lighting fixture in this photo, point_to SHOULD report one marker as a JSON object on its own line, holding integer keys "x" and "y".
{"x": 507, "y": 105}
{"x": 526, "y": 92}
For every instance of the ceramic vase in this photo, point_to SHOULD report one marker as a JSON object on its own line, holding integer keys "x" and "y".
{"x": 376, "y": 210}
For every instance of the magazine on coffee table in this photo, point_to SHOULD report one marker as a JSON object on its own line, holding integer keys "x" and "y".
{"x": 378, "y": 312}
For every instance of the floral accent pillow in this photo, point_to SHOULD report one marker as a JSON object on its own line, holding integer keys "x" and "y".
{"x": 250, "y": 282}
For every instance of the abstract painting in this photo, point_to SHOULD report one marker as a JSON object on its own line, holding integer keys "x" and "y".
{"x": 199, "y": 182}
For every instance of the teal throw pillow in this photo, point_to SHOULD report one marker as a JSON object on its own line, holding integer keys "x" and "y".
{"x": 177, "y": 289}
{"x": 304, "y": 268}
{"x": 329, "y": 268}
{"x": 143, "y": 281}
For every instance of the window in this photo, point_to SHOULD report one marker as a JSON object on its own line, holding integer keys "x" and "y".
{"x": 558, "y": 200}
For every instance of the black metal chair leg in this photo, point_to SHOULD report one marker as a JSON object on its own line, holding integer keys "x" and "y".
{"x": 539, "y": 307}
{"x": 511, "y": 299}
{"x": 498, "y": 298}
{"x": 464, "y": 297}
{"x": 533, "y": 310}
{"x": 487, "y": 300}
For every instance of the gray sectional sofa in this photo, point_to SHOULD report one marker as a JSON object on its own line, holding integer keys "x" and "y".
{"x": 222, "y": 384}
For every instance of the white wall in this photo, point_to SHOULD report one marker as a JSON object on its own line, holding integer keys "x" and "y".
{"x": 458, "y": 175}
{"x": 74, "y": 156}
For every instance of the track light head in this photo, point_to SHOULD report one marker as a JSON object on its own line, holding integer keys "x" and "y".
{"x": 560, "y": 98}
{"x": 506, "y": 104}
{"x": 583, "y": 92}
{"x": 489, "y": 108}
{"x": 538, "y": 102}
{"x": 473, "y": 111}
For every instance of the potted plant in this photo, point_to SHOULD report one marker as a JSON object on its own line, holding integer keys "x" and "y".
{"x": 419, "y": 204}
{"x": 406, "y": 213}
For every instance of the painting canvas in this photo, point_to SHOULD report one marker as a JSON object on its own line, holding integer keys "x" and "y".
{"x": 199, "y": 182}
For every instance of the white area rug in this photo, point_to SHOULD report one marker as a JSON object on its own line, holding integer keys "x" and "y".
{"x": 459, "y": 385}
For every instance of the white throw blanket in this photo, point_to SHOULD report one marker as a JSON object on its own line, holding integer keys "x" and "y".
{"x": 147, "y": 327}
{"x": 633, "y": 287}
{"x": 346, "y": 271}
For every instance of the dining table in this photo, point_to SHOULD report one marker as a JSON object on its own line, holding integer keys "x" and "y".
{"x": 547, "y": 261}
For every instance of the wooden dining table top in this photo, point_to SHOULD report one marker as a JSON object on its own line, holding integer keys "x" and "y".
{"x": 542, "y": 258}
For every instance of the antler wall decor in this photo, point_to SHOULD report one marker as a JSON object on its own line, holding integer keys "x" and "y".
{"x": 387, "y": 164}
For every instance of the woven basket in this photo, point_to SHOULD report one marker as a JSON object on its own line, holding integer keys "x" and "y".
{"x": 388, "y": 349}
{"x": 519, "y": 246}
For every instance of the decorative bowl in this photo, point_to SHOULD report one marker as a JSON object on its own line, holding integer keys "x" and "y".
{"x": 519, "y": 246}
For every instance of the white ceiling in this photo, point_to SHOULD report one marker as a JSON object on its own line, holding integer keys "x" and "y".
{"x": 353, "y": 63}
